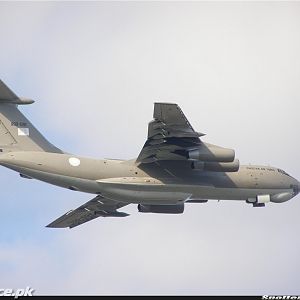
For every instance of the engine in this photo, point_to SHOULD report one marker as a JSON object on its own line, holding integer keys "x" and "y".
{"x": 161, "y": 209}
{"x": 211, "y": 153}
{"x": 216, "y": 166}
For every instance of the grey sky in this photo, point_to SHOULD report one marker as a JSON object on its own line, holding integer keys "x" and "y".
{"x": 234, "y": 68}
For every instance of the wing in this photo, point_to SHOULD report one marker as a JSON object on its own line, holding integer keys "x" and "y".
{"x": 170, "y": 135}
{"x": 97, "y": 207}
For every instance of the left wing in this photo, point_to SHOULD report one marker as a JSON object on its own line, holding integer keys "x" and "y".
{"x": 97, "y": 207}
{"x": 170, "y": 135}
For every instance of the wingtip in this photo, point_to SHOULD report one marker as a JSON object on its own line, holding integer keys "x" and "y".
{"x": 54, "y": 225}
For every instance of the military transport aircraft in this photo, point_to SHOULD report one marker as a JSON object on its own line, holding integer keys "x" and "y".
{"x": 175, "y": 167}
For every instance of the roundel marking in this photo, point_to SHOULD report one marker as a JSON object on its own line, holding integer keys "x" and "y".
{"x": 73, "y": 161}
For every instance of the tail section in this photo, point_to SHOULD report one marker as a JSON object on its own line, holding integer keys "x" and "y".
{"x": 16, "y": 131}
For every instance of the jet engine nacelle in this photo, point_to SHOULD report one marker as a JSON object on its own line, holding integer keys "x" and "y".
{"x": 161, "y": 209}
{"x": 216, "y": 166}
{"x": 209, "y": 152}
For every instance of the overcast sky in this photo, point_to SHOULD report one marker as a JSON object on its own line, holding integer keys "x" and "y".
{"x": 95, "y": 70}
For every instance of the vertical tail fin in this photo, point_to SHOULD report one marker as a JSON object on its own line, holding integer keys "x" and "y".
{"x": 16, "y": 131}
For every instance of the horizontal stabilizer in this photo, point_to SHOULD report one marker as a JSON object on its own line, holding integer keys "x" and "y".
{"x": 8, "y": 96}
{"x": 17, "y": 133}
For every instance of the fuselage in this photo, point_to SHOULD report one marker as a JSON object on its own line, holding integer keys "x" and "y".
{"x": 162, "y": 183}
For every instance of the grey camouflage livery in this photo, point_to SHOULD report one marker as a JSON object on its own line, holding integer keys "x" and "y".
{"x": 174, "y": 168}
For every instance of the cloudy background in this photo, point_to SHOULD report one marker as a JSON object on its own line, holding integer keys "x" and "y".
{"x": 95, "y": 70}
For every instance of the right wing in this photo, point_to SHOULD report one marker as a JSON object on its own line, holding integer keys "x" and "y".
{"x": 172, "y": 138}
{"x": 170, "y": 135}
{"x": 97, "y": 207}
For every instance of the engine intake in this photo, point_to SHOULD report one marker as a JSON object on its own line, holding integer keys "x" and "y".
{"x": 161, "y": 209}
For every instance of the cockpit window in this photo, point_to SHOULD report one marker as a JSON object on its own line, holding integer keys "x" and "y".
{"x": 283, "y": 172}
